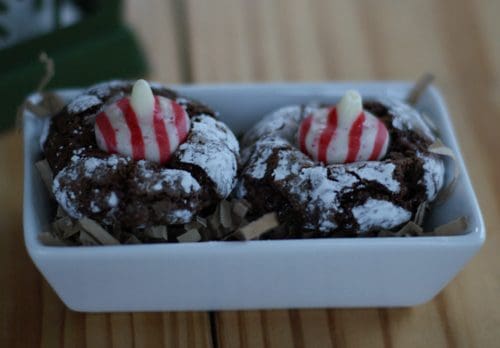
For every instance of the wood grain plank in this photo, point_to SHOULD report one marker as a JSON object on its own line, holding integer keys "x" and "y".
{"x": 98, "y": 331}
{"x": 186, "y": 329}
{"x": 434, "y": 320}
{"x": 473, "y": 294}
{"x": 52, "y": 319}
{"x": 359, "y": 328}
{"x": 74, "y": 330}
{"x": 218, "y": 54}
{"x": 277, "y": 328}
{"x": 273, "y": 328}
{"x": 299, "y": 42}
{"x": 231, "y": 322}
{"x": 486, "y": 12}
{"x": 121, "y": 334}
{"x": 147, "y": 329}
{"x": 295, "y": 40}
{"x": 342, "y": 41}
{"x": 160, "y": 28}
{"x": 471, "y": 66}
{"x": 315, "y": 328}
{"x": 246, "y": 327}
{"x": 474, "y": 102}
{"x": 21, "y": 288}
{"x": 259, "y": 20}
{"x": 401, "y": 39}
{"x": 419, "y": 326}
{"x": 367, "y": 40}
{"x": 251, "y": 333}
{"x": 30, "y": 313}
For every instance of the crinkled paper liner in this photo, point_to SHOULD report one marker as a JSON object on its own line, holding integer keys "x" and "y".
{"x": 50, "y": 102}
{"x": 419, "y": 88}
{"x": 229, "y": 219}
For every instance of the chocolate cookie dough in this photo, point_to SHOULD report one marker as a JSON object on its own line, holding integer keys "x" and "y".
{"x": 129, "y": 193}
{"x": 316, "y": 199}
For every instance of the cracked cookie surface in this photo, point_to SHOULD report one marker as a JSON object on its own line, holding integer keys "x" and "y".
{"x": 120, "y": 192}
{"x": 314, "y": 199}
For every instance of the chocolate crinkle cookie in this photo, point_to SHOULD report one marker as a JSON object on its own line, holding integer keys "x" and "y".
{"x": 340, "y": 170}
{"x": 130, "y": 156}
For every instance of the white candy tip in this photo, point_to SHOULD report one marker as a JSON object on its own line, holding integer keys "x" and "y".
{"x": 350, "y": 105}
{"x": 352, "y": 95}
{"x": 142, "y": 98}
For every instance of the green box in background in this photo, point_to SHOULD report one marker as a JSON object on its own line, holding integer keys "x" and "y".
{"x": 96, "y": 47}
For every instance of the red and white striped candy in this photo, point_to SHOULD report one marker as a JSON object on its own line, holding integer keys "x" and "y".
{"x": 344, "y": 133}
{"x": 142, "y": 126}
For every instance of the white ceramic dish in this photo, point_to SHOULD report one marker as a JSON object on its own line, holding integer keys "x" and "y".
{"x": 258, "y": 274}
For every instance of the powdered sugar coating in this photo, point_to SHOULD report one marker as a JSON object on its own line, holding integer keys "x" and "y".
{"x": 319, "y": 189}
{"x": 83, "y": 103}
{"x": 95, "y": 166}
{"x": 316, "y": 189}
{"x": 216, "y": 131}
{"x": 82, "y": 189}
{"x": 115, "y": 190}
{"x": 285, "y": 167}
{"x": 240, "y": 190}
{"x": 433, "y": 178}
{"x": 180, "y": 216}
{"x": 257, "y": 166}
{"x": 320, "y": 195}
{"x": 91, "y": 168}
{"x": 66, "y": 199}
{"x": 343, "y": 197}
{"x": 45, "y": 131}
{"x": 113, "y": 200}
{"x": 105, "y": 89}
{"x": 323, "y": 193}
{"x": 381, "y": 172}
{"x": 407, "y": 118}
{"x": 281, "y": 123}
{"x": 214, "y": 148}
{"x": 378, "y": 214}
{"x": 163, "y": 180}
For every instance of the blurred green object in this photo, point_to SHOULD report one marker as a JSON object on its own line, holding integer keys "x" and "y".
{"x": 97, "y": 47}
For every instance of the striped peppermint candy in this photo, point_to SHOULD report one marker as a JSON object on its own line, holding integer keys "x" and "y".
{"x": 142, "y": 126}
{"x": 344, "y": 133}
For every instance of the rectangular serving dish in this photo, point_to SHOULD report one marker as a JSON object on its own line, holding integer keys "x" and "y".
{"x": 341, "y": 272}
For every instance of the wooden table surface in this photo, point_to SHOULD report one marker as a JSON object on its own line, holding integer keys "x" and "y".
{"x": 224, "y": 40}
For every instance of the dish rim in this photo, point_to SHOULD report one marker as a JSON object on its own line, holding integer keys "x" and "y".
{"x": 475, "y": 236}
